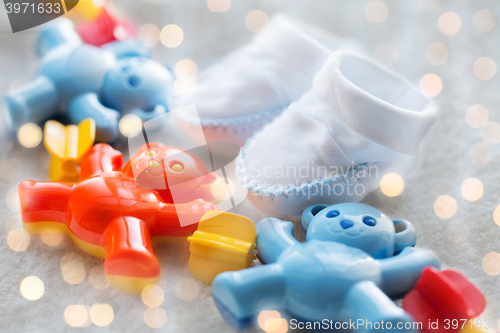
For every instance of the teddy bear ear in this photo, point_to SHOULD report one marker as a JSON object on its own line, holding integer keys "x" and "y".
{"x": 309, "y": 213}
{"x": 406, "y": 235}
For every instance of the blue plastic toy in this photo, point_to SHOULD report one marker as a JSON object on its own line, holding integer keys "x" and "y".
{"x": 83, "y": 81}
{"x": 355, "y": 259}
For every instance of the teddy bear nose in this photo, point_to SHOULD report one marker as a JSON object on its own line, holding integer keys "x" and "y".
{"x": 346, "y": 224}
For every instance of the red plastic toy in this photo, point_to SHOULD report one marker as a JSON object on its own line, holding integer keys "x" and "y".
{"x": 115, "y": 216}
{"x": 105, "y": 28}
{"x": 444, "y": 301}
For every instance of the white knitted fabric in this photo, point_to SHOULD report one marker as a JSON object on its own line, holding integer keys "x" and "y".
{"x": 358, "y": 122}
{"x": 250, "y": 86}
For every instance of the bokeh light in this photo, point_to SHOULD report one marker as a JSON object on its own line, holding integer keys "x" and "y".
{"x": 472, "y": 189}
{"x": 392, "y": 184}
{"x": 153, "y": 296}
{"x": 29, "y": 135}
{"x": 149, "y": 35}
{"x": 128, "y": 124}
{"x": 445, "y": 207}
{"x": 187, "y": 289}
{"x": 18, "y": 240}
{"x": 436, "y": 53}
{"x": 485, "y": 68}
{"x": 72, "y": 268}
{"x": 51, "y": 239}
{"x": 219, "y": 5}
{"x": 477, "y": 116}
{"x": 269, "y": 320}
{"x": 185, "y": 85}
{"x": 490, "y": 133}
{"x": 484, "y": 20}
{"x": 32, "y": 288}
{"x": 12, "y": 200}
{"x": 76, "y": 315}
{"x": 155, "y": 317}
{"x": 491, "y": 263}
{"x": 387, "y": 54}
{"x": 496, "y": 215}
{"x": 431, "y": 85}
{"x": 171, "y": 35}
{"x": 97, "y": 278}
{"x": 256, "y": 21}
{"x": 14, "y": 222}
{"x": 102, "y": 314}
{"x": 376, "y": 11}
{"x": 480, "y": 153}
{"x": 186, "y": 66}
{"x": 11, "y": 170}
{"x": 449, "y": 23}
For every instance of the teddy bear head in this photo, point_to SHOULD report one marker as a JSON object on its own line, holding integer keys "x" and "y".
{"x": 135, "y": 82}
{"x": 360, "y": 226}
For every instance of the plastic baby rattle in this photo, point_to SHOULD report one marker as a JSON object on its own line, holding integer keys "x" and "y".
{"x": 84, "y": 81}
{"x": 112, "y": 215}
{"x": 355, "y": 259}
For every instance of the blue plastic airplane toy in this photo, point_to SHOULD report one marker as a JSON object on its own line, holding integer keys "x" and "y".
{"x": 355, "y": 259}
{"x": 83, "y": 81}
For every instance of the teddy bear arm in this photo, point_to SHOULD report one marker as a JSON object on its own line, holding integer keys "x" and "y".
{"x": 273, "y": 237}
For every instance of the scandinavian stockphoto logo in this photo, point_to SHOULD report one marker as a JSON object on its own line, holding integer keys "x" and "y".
{"x": 184, "y": 170}
{"x": 25, "y": 14}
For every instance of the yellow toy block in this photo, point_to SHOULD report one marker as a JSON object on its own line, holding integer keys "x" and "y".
{"x": 67, "y": 145}
{"x": 223, "y": 242}
{"x": 85, "y": 10}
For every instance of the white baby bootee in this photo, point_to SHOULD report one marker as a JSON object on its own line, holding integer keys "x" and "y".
{"x": 250, "y": 86}
{"x": 358, "y": 122}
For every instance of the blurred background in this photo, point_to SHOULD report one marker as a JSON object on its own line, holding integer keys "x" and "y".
{"x": 449, "y": 48}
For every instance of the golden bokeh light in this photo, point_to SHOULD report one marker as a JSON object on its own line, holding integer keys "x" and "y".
{"x": 153, "y": 296}
{"x": 431, "y": 85}
{"x": 149, "y": 35}
{"x": 187, "y": 289}
{"x": 490, "y": 133}
{"x": 76, "y": 315}
{"x": 155, "y": 317}
{"x": 484, "y": 20}
{"x": 129, "y": 124}
{"x": 496, "y": 215}
{"x": 186, "y": 66}
{"x": 491, "y": 263}
{"x": 386, "y": 54}
{"x": 72, "y": 268}
{"x": 376, "y": 11}
{"x": 392, "y": 184}
{"x": 445, "y": 207}
{"x": 269, "y": 320}
{"x": 480, "y": 153}
{"x": 29, "y": 135}
{"x": 472, "y": 189}
{"x": 449, "y": 23}
{"x": 436, "y": 53}
{"x": 51, "y": 239}
{"x": 102, "y": 314}
{"x": 18, "y": 240}
{"x": 256, "y": 21}
{"x": 171, "y": 35}
{"x": 219, "y": 5}
{"x": 97, "y": 278}
{"x": 185, "y": 85}
{"x": 477, "y": 116}
{"x": 485, "y": 68}
{"x": 11, "y": 170}
{"x": 32, "y": 288}
{"x": 12, "y": 200}
{"x": 13, "y": 222}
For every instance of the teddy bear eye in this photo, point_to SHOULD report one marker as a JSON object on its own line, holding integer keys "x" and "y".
{"x": 370, "y": 221}
{"x": 332, "y": 213}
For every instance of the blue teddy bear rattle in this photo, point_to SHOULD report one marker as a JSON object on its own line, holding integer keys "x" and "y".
{"x": 83, "y": 81}
{"x": 354, "y": 260}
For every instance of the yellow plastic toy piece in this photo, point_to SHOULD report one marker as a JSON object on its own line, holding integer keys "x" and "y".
{"x": 471, "y": 329}
{"x": 85, "y": 10}
{"x": 67, "y": 145}
{"x": 222, "y": 243}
